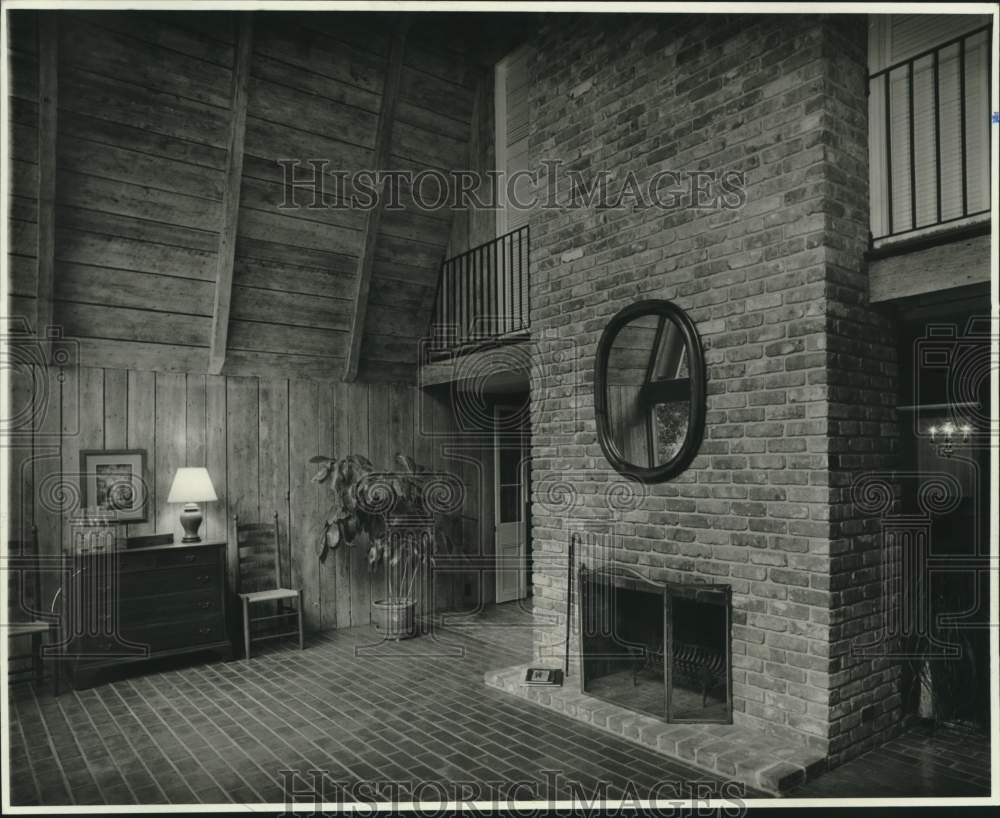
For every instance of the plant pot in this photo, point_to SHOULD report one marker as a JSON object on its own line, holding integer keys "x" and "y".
{"x": 394, "y": 618}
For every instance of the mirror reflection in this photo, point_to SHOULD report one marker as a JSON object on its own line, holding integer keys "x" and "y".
{"x": 648, "y": 390}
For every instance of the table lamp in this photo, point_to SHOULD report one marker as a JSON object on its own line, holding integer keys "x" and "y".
{"x": 191, "y": 486}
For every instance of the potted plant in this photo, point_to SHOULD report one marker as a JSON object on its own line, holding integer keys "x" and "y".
{"x": 399, "y": 515}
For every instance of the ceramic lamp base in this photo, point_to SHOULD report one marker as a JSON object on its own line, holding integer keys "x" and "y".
{"x": 191, "y": 521}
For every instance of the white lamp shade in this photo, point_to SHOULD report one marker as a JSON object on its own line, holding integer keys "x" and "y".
{"x": 192, "y": 485}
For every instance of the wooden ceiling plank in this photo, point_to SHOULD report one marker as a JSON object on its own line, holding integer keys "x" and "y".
{"x": 383, "y": 142}
{"x": 231, "y": 197}
{"x": 48, "y": 98}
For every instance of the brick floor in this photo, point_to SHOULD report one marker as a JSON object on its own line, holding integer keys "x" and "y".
{"x": 223, "y": 732}
{"x": 923, "y": 762}
{"x": 391, "y": 716}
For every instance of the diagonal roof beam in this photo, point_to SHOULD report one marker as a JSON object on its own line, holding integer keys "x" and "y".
{"x": 383, "y": 142}
{"x": 48, "y": 100}
{"x": 231, "y": 196}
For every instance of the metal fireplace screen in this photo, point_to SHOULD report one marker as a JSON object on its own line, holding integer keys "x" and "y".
{"x": 657, "y": 648}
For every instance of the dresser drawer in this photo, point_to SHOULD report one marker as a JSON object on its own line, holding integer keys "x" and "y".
{"x": 171, "y": 635}
{"x": 160, "y": 637}
{"x": 138, "y": 561}
{"x": 190, "y": 579}
{"x": 141, "y": 610}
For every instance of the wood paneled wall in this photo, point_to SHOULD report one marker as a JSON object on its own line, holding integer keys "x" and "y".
{"x": 144, "y": 109}
{"x": 255, "y": 436}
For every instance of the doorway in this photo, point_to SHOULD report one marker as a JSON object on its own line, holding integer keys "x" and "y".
{"x": 511, "y": 507}
{"x": 944, "y": 413}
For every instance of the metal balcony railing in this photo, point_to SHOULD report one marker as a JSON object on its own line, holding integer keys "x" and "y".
{"x": 483, "y": 294}
{"x": 929, "y": 123}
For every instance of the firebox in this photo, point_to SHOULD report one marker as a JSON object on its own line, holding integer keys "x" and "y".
{"x": 662, "y": 649}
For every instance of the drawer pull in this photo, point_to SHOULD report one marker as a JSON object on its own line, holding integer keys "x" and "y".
{"x": 189, "y": 558}
{"x": 204, "y": 604}
{"x": 204, "y": 630}
{"x": 203, "y": 578}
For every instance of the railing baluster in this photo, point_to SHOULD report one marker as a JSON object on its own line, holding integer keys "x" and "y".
{"x": 515, "y": 277}
{"x": 453, "y": 317}
{"x": 467, "y": 323}
{"x": 509, "y": 323}
{"x": 527, "y": 278}
{"x": 913, "y": 149}
{"x": 937, "y": 133}
{"x": 961, "y": 102}
{"x": 520, "y": 280}
{"x": 483, "y": 293}
{"x": 480, "y": 292}
{"x": 888, "y": 149}
{"x": 493, "y": 289}
{"x": 474, "y": 293}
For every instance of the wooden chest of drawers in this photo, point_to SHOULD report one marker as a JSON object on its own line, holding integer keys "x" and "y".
{"x": 132, "y": 606}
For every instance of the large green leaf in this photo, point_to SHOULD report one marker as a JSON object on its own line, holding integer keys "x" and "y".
{"x": 323, "y": 546}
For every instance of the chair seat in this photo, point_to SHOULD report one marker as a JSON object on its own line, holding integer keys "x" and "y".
{"x": 25, "y": 628}
{"x": 266, "y": 596}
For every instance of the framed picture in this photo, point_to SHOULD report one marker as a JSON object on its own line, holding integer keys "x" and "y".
{"x": 112, "y": 481}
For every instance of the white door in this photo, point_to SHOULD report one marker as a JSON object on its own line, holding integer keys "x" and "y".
{"x": 510, "y": 503}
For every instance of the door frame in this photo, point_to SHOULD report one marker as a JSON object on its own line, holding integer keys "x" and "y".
{"x": 522, "y": 578}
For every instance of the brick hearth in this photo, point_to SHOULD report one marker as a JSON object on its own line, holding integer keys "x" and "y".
{"x": 728, "y": 750}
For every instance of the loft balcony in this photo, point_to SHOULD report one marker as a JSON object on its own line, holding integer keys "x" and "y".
{"x": 929, "y": 141}
{"x": 483, "y": 297}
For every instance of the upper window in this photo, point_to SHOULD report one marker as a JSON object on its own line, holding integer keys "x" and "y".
{"x": 928, "y": 99}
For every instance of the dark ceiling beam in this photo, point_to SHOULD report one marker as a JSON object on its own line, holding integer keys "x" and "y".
{"x": 373, "y": 221}
{"x": 231, "y": 197}
{"x": 48, "y": 102}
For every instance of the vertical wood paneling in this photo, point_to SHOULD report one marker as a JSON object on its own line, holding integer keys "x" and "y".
{"x": 423, "y": 453}
{"x": 358, "y": 442}
{"x": 443, "y": 430}
{"x": 381, "y": 455}
{"x": 216, "y": 448}
{"x": 332, "y": 583}
{"x": 141, "y": 435}
{"x": 195, "y": 422}
{"x": 19, "y": 487}
{"x": 46, "y": 467}
{"x": 194, "y": 441}
{"x": 71, "y": 474}
{"x": 342, "y": 560}
{"x": 115, "y": 408}
{"x": 306, "y": 499}
{"x": 241, "y": 448}
{"x": 255, "y": 438}
{"x": 400, "y": 420}
{"x": 170, "y": 431}
{"x": 273, "y": 467}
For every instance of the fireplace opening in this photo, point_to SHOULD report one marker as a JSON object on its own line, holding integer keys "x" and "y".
{"x": 662, "y": 649}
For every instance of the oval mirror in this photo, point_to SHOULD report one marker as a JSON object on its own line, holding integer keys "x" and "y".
{"x": 649, "y": 391}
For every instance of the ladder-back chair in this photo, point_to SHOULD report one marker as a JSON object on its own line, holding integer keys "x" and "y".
{"x": 259, "y": 577}
{"x": 28, "y": 618}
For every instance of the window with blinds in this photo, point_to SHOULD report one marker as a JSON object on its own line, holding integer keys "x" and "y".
{"x": 928, "y": 100}
{"x": 517, "y": 189}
